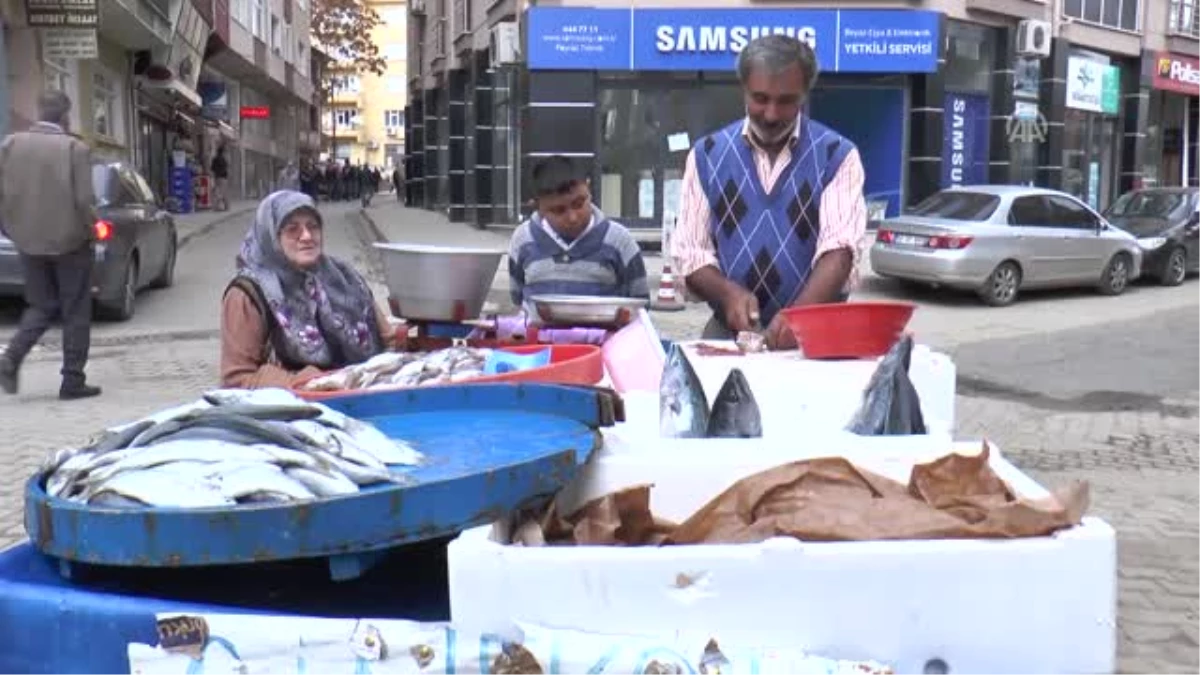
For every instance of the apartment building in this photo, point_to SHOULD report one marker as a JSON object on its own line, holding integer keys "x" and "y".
{"x": 365, "y": 118}
{"x": 1093, "y": 97}
{"x": 163, "y": 83}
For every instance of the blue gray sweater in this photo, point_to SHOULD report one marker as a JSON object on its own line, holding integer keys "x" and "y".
{"x": 604, "y": 261}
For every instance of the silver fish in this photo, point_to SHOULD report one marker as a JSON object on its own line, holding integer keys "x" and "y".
{"x": 682, "y": 407}
{"x": 247, "y": 425}
{"x": 132, "y": 459}
{"x": 361, "y": 475}
{"x": 168, "y": 414}
{"x": 735, "y": 413}
{"x": 110, "y": 440}
{"x": 390, "y": 451}
{"x": 335, "y": 441}
{"x": 250, "y": 479}
{"x": 117, "y": 501}
{"x": 323, "y": 483}
{"x": 162, "y": 488}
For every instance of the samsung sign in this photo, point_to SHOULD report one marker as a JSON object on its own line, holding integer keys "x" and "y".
{"x": 867, "y": 41}
{"x": 723, "y": 38}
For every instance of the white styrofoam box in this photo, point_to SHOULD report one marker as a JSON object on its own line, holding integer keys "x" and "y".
{"x": 1034, "y": 605}
{"x": 797, "y": 394}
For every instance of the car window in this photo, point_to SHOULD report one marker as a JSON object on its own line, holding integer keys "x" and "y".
{"x": 1031, "y": 211}
{"x": 957, "y": 205}
{"x": 105, "y": 184}
{"x": 1070, "y": 213}
{"x": 1151, "y": 204}
{"x": 144, "y": 188}
{"x": 130, "y": 187}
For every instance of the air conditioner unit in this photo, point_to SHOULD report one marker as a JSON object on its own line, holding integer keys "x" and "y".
{"x": 1033, "y": 38}
{"x": 504, "y": 44}
{"x": 417, "y": 6}
{"x": 372, "y": 145}
{"x": 391, "y": 132}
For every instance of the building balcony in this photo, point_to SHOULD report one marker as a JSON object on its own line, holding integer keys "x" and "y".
{"x": 136, "y": 24}
{"x": 350, "y": 132}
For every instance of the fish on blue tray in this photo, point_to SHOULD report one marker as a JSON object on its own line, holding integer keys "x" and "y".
{"x": 233, "y": 446}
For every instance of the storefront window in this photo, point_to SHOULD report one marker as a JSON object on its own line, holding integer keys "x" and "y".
{"x": 1089, "y": 157}
{"x": 647, "y": 125}
{"x": 106, "y": 106}
{"x": 969, "y": 55}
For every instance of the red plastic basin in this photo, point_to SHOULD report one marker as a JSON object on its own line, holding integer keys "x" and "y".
{"x": 851, "y": 330}
{"x": 569, "y": 364}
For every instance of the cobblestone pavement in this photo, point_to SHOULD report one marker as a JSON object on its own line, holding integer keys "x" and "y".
{"x": 1141, "y": 463}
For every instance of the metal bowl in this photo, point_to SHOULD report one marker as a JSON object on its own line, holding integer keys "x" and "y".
{"x": 438, "y": 283}
{"x": 586, "y": 310}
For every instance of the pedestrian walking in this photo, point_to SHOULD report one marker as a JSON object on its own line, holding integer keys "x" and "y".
{"x": 398, "y": 183}
{"x": 289, "y": 178}
{"x": 47, "y": 209}
{"x": 220, "y": 172}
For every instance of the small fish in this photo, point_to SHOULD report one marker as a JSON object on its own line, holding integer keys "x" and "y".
{"x": 361, "y": 475}
{"x": 251, "y": 479}
{"x": 735, "y": 413}
{"x": 322, "y": 483}
{"x": 162, "y": 488}
{"x": 248, "y": 425}
{"x": 148, "y": 457}
{"x": 335, "y": 441}
{"x": 116, "y": 501}
{"x": 110, "y": 440}
{"x": 390, "y": 451}
{"x": 683, "y": 408}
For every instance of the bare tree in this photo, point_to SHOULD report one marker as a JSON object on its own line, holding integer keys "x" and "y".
{"x": 343, "y": 30}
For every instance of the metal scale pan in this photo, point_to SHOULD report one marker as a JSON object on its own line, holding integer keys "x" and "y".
{"x": 489, "y": 448}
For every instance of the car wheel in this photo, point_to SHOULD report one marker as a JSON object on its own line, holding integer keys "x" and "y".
{"x": 1002, "y": 285}
{"x": 167, "y": 277}
{"x": 1175, "y": 270}
{"x": 124, "y": 308}
{"x": 1115, "y": 279}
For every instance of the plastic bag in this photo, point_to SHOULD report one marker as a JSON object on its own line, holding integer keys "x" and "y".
{"x": 891, "y": 406}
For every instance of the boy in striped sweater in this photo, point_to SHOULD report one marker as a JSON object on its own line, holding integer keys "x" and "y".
{"x": 568, "y": 246}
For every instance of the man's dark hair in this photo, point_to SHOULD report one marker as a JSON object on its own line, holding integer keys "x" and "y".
{"x": 556, "y": 175}
{"x": 54, "y": 106}
{"x": 776, "y": 53}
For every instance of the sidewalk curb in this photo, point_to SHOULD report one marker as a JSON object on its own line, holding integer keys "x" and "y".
{"x": 375, "y": 232}
{"x": 211, "y": 225}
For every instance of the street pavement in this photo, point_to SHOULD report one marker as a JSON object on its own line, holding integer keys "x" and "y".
{"x": 1068, "y": 384}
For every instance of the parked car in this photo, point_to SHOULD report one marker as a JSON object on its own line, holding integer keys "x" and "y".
{"x": 136, "y": 243}
{"x": 997, "y": 240}
{"x": 1166, "y": 222}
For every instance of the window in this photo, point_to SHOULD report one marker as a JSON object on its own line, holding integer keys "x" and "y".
{"x": 393, "y": 119}
{"x": 1119, "y": 14}
{"x": 349, "y": 84}
{"x": 288, "y": 42}
{"x": 258, "y": 12}
{"x": 275, "y": 36}
{"x": 240, "y": 11}
{"x": 301, "y": 58}
{"x": 106, "y": 105}
{"x": 1070, "y": 213}
{"x": 1030, "y": 212}
{"x": 346, "y": 117}
{"x": 57, "y": 76}
{"x": 958, "y": 205}
{"x": 1183, "y": 18}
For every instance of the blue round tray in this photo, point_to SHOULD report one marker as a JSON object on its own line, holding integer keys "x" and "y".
{"x": 489, "y": 449}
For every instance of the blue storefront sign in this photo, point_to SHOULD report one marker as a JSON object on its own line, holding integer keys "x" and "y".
{"x": 847, "y": 41}
{"x": 965, "y": 139}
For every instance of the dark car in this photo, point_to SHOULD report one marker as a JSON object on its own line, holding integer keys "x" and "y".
{"x": 136, "y": 243}
{"x": 1166, "y": 222}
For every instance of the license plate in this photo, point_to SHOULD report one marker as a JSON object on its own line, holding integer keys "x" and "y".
{"x": 911, "y": 240}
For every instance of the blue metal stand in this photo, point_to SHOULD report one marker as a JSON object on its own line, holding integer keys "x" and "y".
{"x": 489, "y": 448}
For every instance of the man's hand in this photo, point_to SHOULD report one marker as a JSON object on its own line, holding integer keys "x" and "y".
{"x": 779, "y": 336}
{"x": 740, "y": 308}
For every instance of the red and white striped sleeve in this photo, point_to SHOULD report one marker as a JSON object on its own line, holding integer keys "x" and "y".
{"x": 844, "y": 214}
{"x": 692, "y": 246}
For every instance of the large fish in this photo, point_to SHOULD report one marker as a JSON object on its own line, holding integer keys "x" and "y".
{"x": 735, "y": 413}
{"x": 682, "y": 407}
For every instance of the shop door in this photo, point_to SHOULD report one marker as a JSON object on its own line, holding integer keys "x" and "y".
{"x": 1090, "y": 158}
{"x": 873, "y": 118}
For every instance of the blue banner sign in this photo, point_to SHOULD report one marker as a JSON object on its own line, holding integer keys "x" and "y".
{"x": 965, "y": 139}
{"x": 847, "y": 41}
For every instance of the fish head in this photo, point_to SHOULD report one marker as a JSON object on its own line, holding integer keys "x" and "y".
{"x": 735, "y": 412}
{"x": 683, "y": 408}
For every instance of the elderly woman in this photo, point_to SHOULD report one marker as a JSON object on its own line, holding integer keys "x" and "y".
{"x": 292, "y": 312}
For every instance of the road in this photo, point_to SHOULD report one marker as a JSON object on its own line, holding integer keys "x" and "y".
{"x": 1068, "y": 384}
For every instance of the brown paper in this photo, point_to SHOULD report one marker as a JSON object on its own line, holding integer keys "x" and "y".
{"x": 829, "y": 499}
